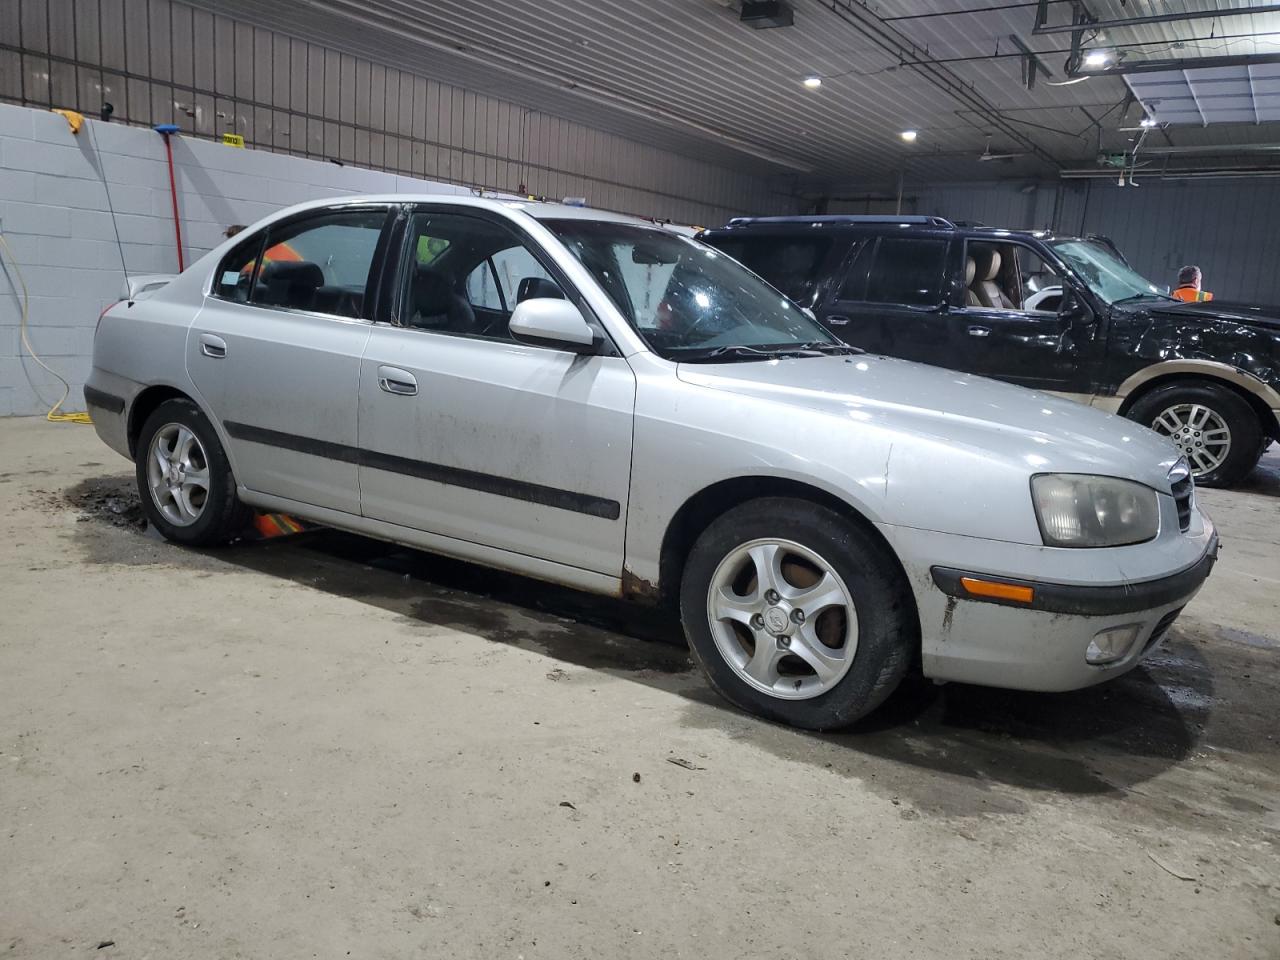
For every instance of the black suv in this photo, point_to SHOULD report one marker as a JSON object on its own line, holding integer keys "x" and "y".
{"x": 1063, "y": 314}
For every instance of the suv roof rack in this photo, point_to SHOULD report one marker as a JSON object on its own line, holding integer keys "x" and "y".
{"x": 850, "y": 218}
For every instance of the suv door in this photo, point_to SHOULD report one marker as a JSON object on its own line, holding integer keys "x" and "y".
{"x": 1015, "y": 328}
{"x": 890, "y": 299}
{"x": 275, "y": 351}
{"x": 468, "y": 434}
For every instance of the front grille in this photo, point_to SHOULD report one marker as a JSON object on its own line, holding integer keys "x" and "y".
{"x": 1161, "y": 628}
{"x": 1183, "y": 490}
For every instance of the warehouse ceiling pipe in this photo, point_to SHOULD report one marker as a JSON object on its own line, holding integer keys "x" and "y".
{"x": 167, "y": 130}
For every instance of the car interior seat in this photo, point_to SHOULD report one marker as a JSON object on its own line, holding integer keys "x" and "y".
{"x": 435, "y": 305}
{"x": 289, "y": 283}
{"x": 988, "y": 291}
{"x": 970, "y": 295}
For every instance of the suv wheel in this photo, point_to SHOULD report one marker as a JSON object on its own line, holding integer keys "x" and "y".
{"x": 796, "y": 614}
{"x": 184, "y": 478}
{"x": 1214, "y": 427}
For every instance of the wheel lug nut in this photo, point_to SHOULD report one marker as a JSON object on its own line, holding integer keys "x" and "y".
{"x": 784, "y": 641}
{"x": 771, "y": 596}
{"x": 797, "y": 616}
{"x": 758, "y": 622}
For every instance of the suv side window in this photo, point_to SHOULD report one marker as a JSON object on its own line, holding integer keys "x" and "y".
{"x": 321, "y": 264}
{"x": 904, "y": 270}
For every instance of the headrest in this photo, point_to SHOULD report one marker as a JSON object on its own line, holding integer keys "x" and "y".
{"x": 432, "y": 292}
{"x": 991, "y": 266}
{"x": 289, "y": 282}
{"x": 535, "y": 287}
{"x": 970, "y": 271}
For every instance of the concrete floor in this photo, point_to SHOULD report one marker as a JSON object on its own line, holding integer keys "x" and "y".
{"x": 331, "y": 747}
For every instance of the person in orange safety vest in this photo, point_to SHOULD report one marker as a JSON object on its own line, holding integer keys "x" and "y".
{"x": 1188, "y": 290}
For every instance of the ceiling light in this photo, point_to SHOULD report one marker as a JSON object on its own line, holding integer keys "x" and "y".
{"x": 1096, "y": 58}
{"x": 1148, "y": 122}
{"x": 909, "y": 136}
{"x": 813, "y": 83}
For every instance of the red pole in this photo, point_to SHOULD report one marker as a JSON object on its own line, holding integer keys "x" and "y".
{"x": 173, "y": 190}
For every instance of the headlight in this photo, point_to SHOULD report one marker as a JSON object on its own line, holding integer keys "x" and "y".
{"x": 1076, "y": 510}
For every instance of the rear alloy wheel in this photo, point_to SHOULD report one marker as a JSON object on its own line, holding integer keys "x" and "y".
{"x": 796, "y": 613}
{"x": 1215, "y": 429}
{"x": 184, "y": 479}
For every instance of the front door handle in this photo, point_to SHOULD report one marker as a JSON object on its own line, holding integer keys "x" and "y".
{"x": 212, "y": 346}
{"x": 977, "y": 331}
{"x": 837, "y": 320}
{"x": 397, "y": 381}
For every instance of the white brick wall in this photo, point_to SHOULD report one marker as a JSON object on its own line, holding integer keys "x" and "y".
{"x": 55, "y": 215}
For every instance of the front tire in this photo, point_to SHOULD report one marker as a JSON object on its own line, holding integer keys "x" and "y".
{"x": 797, "y": 614}
{"x": 1214, "y": 427}
{"x": 184, "y": 479}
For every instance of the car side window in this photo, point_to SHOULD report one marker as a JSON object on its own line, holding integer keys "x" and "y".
{"x": 1039, "y": 284}
{"x": 236, "y": 272}
{"x": 906, "y": 271}
{"x": 482, "y": 271}
{"x": 321, "y": 264}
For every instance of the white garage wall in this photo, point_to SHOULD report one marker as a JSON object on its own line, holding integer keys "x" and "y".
{"x": 80, "y": 212}
{"x": 159, "y": 61}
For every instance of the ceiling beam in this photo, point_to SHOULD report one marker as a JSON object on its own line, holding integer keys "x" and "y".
{"x": 1122, "y": 67}
{"x": 1041, "y": 28}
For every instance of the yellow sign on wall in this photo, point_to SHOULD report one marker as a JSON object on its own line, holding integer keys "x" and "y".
{"x": 233, "y": 140}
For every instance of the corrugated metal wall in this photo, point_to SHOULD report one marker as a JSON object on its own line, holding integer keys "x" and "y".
{"x": 1227, "y": 227}
{"x": 158, "y": 61}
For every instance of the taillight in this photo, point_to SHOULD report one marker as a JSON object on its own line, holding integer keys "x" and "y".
{"x": 103, "y": 314}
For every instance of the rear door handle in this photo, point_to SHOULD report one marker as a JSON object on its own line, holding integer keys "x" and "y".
{"x": 977, "y": 331}
{"x": 212, "y": 346}
{"x": 837, "y": 320}
{"x": 397, "y": 381}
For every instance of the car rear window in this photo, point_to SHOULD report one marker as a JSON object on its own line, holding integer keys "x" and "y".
{"x": 789, "y": 263}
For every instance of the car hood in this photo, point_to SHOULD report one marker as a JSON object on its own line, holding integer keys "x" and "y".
{"x": 1033, "y": 431}
{"x": 1227, "y": 311}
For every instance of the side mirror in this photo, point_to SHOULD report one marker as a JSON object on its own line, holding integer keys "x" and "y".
{"x": 552, "y": 323}
{"x": 1074, "y": 310}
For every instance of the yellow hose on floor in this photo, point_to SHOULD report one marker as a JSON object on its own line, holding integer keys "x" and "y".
{"x": 53, "y": 415}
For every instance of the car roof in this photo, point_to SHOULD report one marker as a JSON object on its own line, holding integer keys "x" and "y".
{"x": 538, "y": 209}
{"x": 843, "y": 223}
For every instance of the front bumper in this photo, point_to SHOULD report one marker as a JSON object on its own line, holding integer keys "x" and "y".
{"x": 1042, "y": 645}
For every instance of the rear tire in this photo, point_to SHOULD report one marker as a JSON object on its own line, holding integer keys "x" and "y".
{"x": 1195, "y": 414}
{"x": 184, "y": 479}
{"x": 819, "y": 639}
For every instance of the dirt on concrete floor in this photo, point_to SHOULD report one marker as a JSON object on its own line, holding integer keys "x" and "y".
{"x": 327, "y": 746}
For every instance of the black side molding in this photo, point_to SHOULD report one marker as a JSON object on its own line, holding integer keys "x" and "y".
{"x": 589, "y": 504}
{"x": 1088, "y": 601}
{"x": 103, "y": 400}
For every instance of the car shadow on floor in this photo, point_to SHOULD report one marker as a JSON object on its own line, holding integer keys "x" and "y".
{"x": 1095, "y": 741}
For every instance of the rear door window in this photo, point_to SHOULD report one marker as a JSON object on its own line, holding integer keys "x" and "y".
{"x": 790, "y": 264}
{"x": 320, "y": 264}
{"x": 906, "y": 271}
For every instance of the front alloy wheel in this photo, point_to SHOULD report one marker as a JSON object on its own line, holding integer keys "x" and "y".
{"x": 1200, "y": 432}
{"x": 798, "y": 612}
{"x": 782, "y": 619}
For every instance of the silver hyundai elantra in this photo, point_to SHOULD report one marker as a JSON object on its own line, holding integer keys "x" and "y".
{"x": 593, "y": 400}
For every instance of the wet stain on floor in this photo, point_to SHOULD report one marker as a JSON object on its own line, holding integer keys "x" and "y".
{"x": 956, "y": 750}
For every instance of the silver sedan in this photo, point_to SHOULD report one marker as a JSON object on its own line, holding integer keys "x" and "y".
{"x": 593, "y": 400}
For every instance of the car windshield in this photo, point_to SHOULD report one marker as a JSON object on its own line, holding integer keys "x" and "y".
{"x": 688, "y": 301}
{"x": 1106, "y": 274}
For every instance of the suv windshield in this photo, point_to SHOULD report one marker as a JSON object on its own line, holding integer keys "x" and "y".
{"x": 688, "y": 301}
{"x": 1107, "y": 275}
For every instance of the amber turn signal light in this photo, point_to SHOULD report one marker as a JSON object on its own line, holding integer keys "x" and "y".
{"x": 996, "y": 590}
